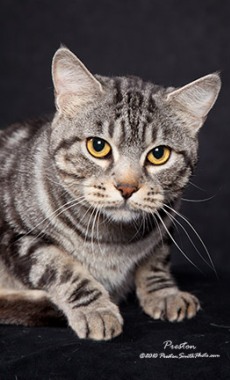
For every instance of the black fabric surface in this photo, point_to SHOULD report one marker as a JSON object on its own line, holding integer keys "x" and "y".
{"x": 169, "y": 42}
{"x": 57, "y": 354}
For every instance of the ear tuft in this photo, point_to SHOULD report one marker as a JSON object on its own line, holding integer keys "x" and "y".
{"x": 197, "y": 98}
{"x": 74, "y": 84}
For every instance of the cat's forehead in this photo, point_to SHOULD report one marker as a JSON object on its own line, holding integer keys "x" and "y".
{"x": 131, "y": 92}
{"x": 130, "y": 115}
{"x": 134, "y": 110}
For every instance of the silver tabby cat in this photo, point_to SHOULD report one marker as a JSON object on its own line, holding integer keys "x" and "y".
{"x": 87, "y": 200}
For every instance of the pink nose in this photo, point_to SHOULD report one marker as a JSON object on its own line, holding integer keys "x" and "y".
{"x": 126, "y": 189}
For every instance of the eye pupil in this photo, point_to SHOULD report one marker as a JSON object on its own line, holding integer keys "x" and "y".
{"x": 98, "y": 145}
{"x": 159, "y": 155}
{"x": 158, "y": 152}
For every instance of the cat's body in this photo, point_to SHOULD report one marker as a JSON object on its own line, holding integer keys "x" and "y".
{"x": 86, "y": 199}
{"x": 109, "y": 250}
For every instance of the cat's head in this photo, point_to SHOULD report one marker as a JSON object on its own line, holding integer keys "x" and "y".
{"x": 125, "y": 146}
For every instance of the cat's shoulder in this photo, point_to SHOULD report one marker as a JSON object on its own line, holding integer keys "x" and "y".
{"x": 20, "y": 131}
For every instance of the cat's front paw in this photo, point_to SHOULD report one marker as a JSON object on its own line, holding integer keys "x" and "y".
{"x": 172, "y": 306}
{"x": 102, "y": 323}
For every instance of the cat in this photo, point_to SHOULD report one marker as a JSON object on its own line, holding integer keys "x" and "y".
{"x": 88, "y": 197}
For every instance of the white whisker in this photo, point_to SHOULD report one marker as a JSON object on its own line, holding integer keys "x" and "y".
{"x": 189, "y": 237}
{"x": 52, "y": 215}
{"x": 196, "y": 233}
{"x": 97, "y": 230}
{"x": 178, "y": 247}
{"x": 197, "y": 187}
{"x": 88, "y": 224}
{"x": 158, "y": 226}
{"x": 77, "y": 202}
{"x": 198, "y": 200}
{"x": 137, "y": 228}
{"x": 92, "y": 230}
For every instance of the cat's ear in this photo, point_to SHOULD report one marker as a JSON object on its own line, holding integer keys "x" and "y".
{"x": 196, "y": 99}
{"x": 74, "y": 85}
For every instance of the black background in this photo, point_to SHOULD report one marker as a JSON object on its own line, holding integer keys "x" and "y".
{"x": 170, "y": 42}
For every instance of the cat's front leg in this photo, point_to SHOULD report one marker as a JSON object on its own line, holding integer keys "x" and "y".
{"x": 70, "y": 286}
{"x": 157, "y": 292}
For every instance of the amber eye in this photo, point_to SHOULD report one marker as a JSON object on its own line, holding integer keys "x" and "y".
{"x": 98, "y": 147}
{"x": 159, "y": 155}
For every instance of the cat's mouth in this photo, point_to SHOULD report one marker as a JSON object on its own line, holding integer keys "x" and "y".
{"x": 128, "y": 211}
{"x": 125, "y": 207}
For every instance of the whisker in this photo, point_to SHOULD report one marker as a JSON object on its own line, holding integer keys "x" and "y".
{"x": 158, "y": 226}
{"x": 178, "y": 247}
{"x": 189, "y": 237}
{"x": 198, "y": 200}
{"x": 174, "y": 224}
{"x": 52, "y": 215}
{"x": 198, "y": 236}
{"x": 88, "y": 224}
{"x": 144, "y": 222}
{"x": 41, "y": 233}
{"x": 97, "y": 231}
{"x": 137, "y": 228}
{"x": 197, "y": 187}
{"x": 92, "y": 230}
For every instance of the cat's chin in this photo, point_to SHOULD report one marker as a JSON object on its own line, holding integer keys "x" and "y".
{"x": 124, "y": 215}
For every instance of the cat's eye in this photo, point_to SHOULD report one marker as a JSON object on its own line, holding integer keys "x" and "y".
{"x": 159, "y": 155}
{"x": 98, "y": 147}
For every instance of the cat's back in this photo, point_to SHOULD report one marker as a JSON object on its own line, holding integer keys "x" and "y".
{"x": 19, "y": 144}
{"x": 15, "y": 135}
{"x": 15, "y": 140}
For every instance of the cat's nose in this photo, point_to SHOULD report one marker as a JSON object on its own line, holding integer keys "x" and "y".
{"x": 126, "y": 189}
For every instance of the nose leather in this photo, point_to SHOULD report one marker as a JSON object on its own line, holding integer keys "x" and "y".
{"x": 126, "y": 189}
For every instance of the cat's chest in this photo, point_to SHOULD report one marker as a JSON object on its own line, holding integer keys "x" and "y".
{"x": 110, "y": 262}
{"x": 113, "y": 264}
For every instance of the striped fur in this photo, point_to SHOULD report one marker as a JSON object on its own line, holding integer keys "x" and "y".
{"x": 66, "y": 230}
